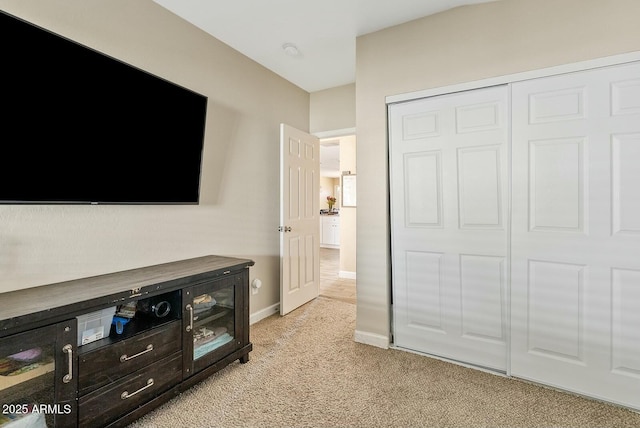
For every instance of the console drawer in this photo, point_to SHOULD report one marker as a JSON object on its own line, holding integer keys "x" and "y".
{"x": 104, "y": 365}
{"x": 112, "y": 401}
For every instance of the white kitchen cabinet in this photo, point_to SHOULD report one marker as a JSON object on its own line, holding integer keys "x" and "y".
{"x": 330, "y": 231}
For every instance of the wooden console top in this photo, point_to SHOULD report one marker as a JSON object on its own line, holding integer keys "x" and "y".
{"x": 55, "y": 302}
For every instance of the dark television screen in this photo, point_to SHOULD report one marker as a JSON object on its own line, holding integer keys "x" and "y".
{"x": 78, "y": 126}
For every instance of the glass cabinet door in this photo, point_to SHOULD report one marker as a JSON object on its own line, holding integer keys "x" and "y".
{"x": 210, "y": 323}
{"x": 38, "y": 378}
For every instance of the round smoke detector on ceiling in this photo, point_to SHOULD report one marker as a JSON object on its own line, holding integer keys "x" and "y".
{"x": 290, "y": 49}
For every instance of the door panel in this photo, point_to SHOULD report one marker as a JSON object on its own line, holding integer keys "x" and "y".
{"x": 449, "y": 190}
{"x": 625, "y": 318}
{"x": 625, "y": 175}
{"x": 425, "y": 303}
{"x": 557, "y": 184}
{"x": 423, "y": 189}
{"x": 299, "y": 218}
{"x": 480, "y": 198}
{"x": 482, "y": 285}
{"x": 556, "y": 325}
{"x": 575, "y": 240}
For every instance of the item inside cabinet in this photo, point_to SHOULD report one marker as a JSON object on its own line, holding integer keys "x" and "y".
{"x": 23, "y": 420}
{"x": 213, "y": 321}
{"x": 138, "y": 315}
{"x": 25, "y": 365}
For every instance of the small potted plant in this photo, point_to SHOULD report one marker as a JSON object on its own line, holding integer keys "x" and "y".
{"x": 331, "y": 201}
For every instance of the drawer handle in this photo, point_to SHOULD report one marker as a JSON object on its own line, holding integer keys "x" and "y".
{"x": 124, "y": 357}
{"x": 190, "y": 309}
{"x": 126, "y": 395}
{"x": 68, "y": 349}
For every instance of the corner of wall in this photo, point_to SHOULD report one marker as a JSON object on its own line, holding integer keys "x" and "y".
{"x": 372, "y": 339}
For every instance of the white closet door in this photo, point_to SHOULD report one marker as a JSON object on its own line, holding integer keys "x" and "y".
{"x": 576, "y": 232}
{"x": 449, "y": 220}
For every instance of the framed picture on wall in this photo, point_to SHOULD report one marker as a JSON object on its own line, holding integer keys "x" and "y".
{"x": 348, "y": 190}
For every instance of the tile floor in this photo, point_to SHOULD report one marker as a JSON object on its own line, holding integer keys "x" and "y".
{"x": 331, "y": 285}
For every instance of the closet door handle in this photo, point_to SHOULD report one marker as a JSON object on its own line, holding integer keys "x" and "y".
{"x": 190, "y": 309}
{"x": 68, "y": 349}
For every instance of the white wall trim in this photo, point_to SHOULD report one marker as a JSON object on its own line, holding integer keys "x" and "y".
{"x": 264, "y": 313}
{"x": 372, "y": 339}
{"x": 335, "y": 133}
{"x": 346, "y": 274}
{"x": 517, "y": 77}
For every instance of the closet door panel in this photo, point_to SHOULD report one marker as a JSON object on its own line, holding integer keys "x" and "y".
{"x": 625, "y": 175}
{"x": 625, "y": 319}
{"x": 449, "y": 188}
{"x": 555, "y": 324}
{"x": 479, "y": 181}
{"x": 425, "y": 304}
{"x": 423, "y": 189}
{"x": 557, "y": 185}
{"x": 483, "y": 287}
{"x": 575, "y": 232}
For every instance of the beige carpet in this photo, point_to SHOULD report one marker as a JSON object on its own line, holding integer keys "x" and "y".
{"x": 307, "y": 371}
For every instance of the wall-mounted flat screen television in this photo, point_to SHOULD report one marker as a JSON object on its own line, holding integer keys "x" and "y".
{"x": 80, "y": 127}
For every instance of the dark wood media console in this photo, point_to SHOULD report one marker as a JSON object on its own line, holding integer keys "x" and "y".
{"x": 64, "y": 364}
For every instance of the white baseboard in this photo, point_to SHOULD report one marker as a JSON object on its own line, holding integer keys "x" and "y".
{"x": 264, "y": 313}
{"x": 346, "y": 274}
{"x": 372, "y": 339}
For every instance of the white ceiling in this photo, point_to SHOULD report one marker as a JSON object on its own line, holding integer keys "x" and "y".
{"x": 324, "y": 31}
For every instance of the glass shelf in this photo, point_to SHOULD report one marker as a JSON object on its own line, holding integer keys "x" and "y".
{"x": 214, "y": 320}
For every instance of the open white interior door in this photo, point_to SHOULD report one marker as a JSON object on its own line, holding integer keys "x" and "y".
{"x": 299, "y": 218}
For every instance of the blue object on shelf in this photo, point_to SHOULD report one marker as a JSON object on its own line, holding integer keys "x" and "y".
{"x": 120, "y": 322}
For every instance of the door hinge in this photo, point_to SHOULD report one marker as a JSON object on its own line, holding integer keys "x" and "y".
{"x": 284, "y": 228}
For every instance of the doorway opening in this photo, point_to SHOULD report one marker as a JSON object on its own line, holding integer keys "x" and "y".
{"x": 331, "y": 285}
{"x": 337, "y": 222}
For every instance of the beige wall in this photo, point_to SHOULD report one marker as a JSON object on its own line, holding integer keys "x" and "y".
{"x": 327, "y": 188}
{"x": 333, "y": 109}
{"x": 238, "y": 213}
{"x": 464, "y": 44}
